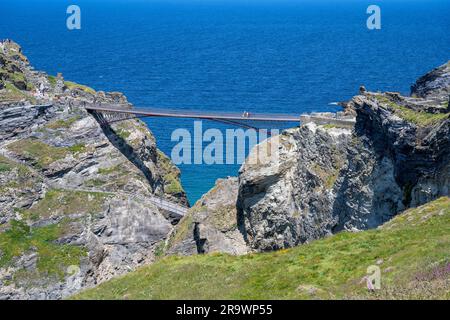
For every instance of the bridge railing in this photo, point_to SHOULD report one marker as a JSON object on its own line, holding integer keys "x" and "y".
{"x": 166, "y": 205}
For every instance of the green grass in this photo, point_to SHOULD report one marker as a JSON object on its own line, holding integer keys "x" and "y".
{"x": 11, "y": 93}
{"x": 4, "y": 166}
{"x": 173, "y": 185}
{"x": 412, "y": 243}
{"x": 171, "y": 174}
{"x": 52, "y": 80}
{"x": 72, "y": 85}
{"x": 123, "y": 134}
{"x": 160, "y": 249}
{"x": 62, "y": 124}
{"x": 41, "y": 153}
{"x": 445, "y": 104}
{"x": 53, "y": 258}
{"x": 422, "y": 119}
{"x": 77, "y": 148}
{"x": 9, "y": 165}
{"x": 18, "y": 77}
{"x": 63, "y": 202}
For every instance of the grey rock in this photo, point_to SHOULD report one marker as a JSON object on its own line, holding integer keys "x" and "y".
{"x": 434, "y": 85}
{"x": 289, "y": 202}
{"x": 211, "y": 224}
{"x": 328, "y": 180}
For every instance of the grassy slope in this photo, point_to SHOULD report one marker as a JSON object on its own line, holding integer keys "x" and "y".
{"x": 413, "y": 251}
{"x": 422, "y": 119}
{"x": 41, "y": 153}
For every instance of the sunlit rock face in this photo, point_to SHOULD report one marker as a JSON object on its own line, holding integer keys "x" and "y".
{"x": 330, "y": 179}
{"x": 210, "y": 225}
{"x": 285, "y": 203}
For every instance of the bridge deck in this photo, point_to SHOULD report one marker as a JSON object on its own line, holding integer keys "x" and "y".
{"x": 172, "y": 113}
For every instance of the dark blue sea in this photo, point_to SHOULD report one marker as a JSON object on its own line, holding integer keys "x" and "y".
{"x": 259, "y": 56}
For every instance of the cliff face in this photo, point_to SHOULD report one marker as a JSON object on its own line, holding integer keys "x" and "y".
{"x": 283, "y": 204}
{"x": 77, "y": 197}
{"x": 434, "y": 85}
{"x": 210, "y": 225}
{"x": 418, "y": 143}
{"x": 331, "y": 179}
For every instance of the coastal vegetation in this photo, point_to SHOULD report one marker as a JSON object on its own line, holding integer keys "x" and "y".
{"x": 73, "y": 85}
{"x": 419, "y": 118}
{"x": 410, "y": 248}
{"x": 171, "y": 177}
{"x": 42, "y": 154}
{"x": 52, "y": 258}
{"x": 11, "y": 93}
{"x": 66, "y": 202}
{"x": 62, "y": 123}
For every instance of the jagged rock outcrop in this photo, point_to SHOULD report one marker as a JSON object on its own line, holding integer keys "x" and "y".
{"x": 417, "y": 143}
{"x": 210, "y": 225}
{"x": 20, "y": 118}
{"x": 289, "y": 201}
{"x": 434, "y": 85}
{"x": 396, "y": 157}
{"x": 77, "y": 200}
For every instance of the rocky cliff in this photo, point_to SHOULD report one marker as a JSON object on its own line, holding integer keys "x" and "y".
{"x": 77, "y": 200}
{"x": 286, "y": 203}
{"x": 330, "y": 179}
{"x": 434, "y": 85}
{"x": 210, "y": 225}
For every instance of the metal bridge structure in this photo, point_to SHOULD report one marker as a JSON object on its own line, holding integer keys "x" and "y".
{"x": 115, "y": 113}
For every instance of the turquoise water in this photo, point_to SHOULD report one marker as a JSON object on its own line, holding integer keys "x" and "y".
{"x": 277, "y": 56}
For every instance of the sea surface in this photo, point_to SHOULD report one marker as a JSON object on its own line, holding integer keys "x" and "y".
{"x": 257, "y": 56}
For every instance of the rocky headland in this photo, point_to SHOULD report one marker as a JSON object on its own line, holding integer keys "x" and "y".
{"x": 76, "y": 195}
